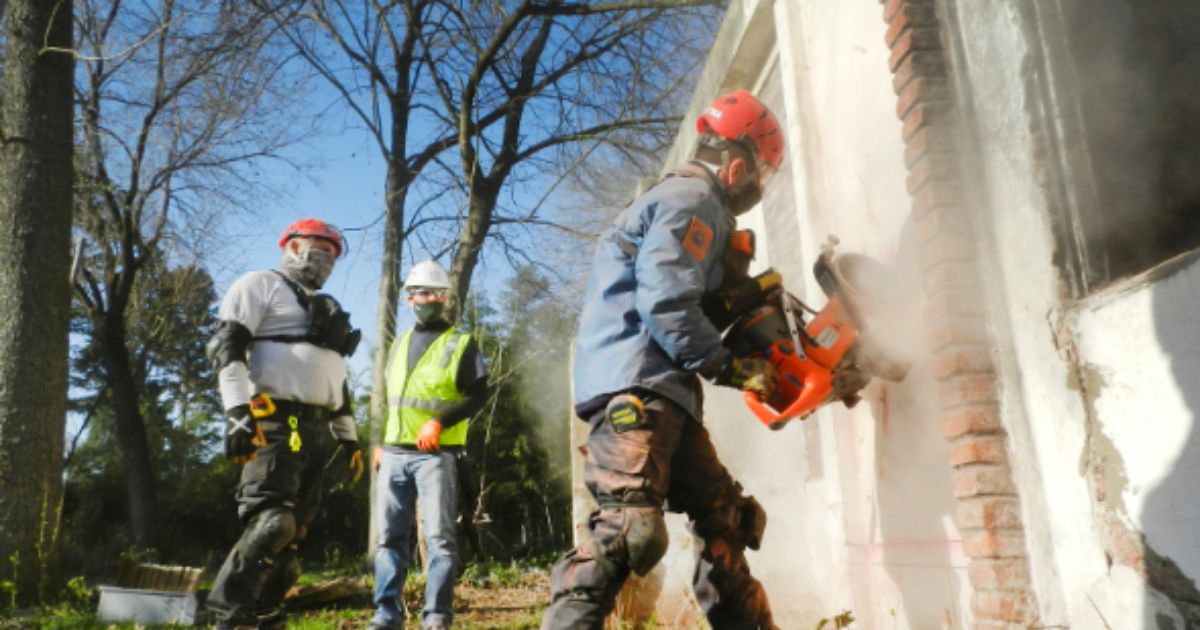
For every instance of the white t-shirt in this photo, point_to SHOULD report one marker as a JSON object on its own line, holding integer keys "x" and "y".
{"x": 298, "y": 371}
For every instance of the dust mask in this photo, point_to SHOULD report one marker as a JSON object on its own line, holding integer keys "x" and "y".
{"x": 428, "y": 312}
{"x": 307, "y": 265}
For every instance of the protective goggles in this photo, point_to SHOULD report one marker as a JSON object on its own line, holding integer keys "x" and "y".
{"x": 426, "y": 292}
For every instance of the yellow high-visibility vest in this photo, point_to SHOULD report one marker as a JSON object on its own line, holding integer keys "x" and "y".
{"x": 415, "y": 397}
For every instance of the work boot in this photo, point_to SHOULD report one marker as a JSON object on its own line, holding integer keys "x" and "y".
{"x": 272, "y": 621}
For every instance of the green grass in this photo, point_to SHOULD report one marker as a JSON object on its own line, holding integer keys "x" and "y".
{"x": 76, "y": 610}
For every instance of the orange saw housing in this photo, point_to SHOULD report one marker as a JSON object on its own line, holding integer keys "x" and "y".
{"x": 819, "y": 361}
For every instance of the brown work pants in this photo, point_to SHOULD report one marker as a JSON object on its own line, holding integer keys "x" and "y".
{"x": 670, "y": 456}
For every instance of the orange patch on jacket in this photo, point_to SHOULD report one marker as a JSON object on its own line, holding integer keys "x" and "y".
{"x": 698, "y": 238}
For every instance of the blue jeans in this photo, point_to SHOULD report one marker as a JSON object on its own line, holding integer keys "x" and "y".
{"x": 403, "y": 478}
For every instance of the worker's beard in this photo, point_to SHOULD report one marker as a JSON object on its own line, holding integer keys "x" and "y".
{"x": 741, "y": 198}
{"x": 307, "y": 265}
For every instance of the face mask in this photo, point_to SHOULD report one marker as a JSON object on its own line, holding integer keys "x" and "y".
{"x": 428, "y": 312}
{"x": 307, "y": 265}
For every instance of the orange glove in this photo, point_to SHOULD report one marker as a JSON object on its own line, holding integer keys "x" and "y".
{"x": 354, "y": 459}
{"x": 376, "y": 457}
{"x": 430, "y": 435}
{"x": 750, "y": 374}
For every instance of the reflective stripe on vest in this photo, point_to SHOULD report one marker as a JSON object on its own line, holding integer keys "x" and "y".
{"x": 415, "y": 397}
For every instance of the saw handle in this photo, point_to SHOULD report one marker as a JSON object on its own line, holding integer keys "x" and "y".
{"x": 814, "y": 390}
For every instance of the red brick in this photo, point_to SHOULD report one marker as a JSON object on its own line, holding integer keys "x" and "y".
{"x": 994, "y": 543}
{"x": 974, "y": 420}
{"x": 992, "y": 573}
{"x": 992, "y": 624}
{"x": 909, "y": 15}
{"x": 988, "y": 513}
{"x": 959, "y": 391}
{"x": 946, "y": 331}
{"x": 916, "y": 65}
{"x": 979, "y": 449}
{"x": 1002, "y": 605}
{"x": 928, "y": 141}
{"x": 944, "y": 277}
{"x": 945, "y": 194}
{"x": 946, "y": 248}
{"x": 911, "y": 41}
{"x": 954, "y": 361}
{"x": 925, "y": 115}
{"x": 892, "y": 7}
{"x": 922, "y": 90}
{"x": 967, "y": 301}
{"x": 981, "y": 480}
{"x": 1125, "y": 546}
{"x": 933, "y": 169}
{"x": 940, "y": 222}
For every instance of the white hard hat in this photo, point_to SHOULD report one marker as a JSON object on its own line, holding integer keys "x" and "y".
{"x": 427, "y": 274}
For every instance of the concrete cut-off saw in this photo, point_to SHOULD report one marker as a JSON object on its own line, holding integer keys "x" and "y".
{"x": 829, "y": 357}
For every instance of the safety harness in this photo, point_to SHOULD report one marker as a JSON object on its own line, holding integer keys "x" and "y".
{"x": 328, "y": 325}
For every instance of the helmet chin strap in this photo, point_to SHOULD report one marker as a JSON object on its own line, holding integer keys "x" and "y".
{"x": 743, "y": 195}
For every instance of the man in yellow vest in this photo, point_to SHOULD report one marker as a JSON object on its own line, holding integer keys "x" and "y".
{"x": 435, "y": 382}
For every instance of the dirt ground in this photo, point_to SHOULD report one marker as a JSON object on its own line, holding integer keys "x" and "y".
{"x": 503, "y": 607}
{"x": 513, "y": 605}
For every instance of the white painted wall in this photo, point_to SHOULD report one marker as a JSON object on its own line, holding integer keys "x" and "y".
{"x": 1143, "y": 343}
{"x": 859, "y": 501}
{"x": 1136, "y": 346}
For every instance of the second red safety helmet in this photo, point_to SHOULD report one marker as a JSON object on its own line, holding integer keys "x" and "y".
{"x": 314, "y": 228}
{"x": 739, "y": 117}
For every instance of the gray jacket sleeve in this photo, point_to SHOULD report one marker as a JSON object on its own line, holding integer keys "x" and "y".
{"x": 678, "y": 247}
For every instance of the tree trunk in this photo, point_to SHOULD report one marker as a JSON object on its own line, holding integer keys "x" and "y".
{"x": 36, "y": 177}
{"x": 470, "y": 245}
{"x": 390, "y": 283}
{"x": 131, "y": 428}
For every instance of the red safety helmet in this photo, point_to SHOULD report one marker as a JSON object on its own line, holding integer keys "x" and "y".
{"x": 314, "y": 228}
{"x": 739, "y": 117}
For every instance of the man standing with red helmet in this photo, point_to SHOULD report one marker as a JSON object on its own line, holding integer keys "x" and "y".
{"x": 644, "y": 336}
{"x": 280, "y": 358}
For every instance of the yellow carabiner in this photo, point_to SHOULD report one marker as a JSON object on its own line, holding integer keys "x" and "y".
{"x": 294, "y": 440}
{"x": 261, "y": 406}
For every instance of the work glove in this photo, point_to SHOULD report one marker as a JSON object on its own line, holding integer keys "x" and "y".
{"x": 749, "y": 374}
{"x": 353, "y": 457}
{"x": 243, "y": 435}
{"x": 429, "y": 436}
{"x": 376, "y": 457}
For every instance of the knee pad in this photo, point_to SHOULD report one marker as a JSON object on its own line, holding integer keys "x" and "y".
{"x": 740, "y": 522}
{"x": 267, "y": 534}
{"x": 289, "y": 566}
{"x": 645, "y": 538}
{"x": 752, "y": 522}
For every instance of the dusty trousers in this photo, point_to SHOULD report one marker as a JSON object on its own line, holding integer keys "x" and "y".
{"x": 631, "y": 468}
{"x": 278, "y": 497}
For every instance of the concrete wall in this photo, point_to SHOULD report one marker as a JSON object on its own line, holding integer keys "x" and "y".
{"x": 859, "y": 500}
{"x": 1098, "y": 398}
{"x": 1099, "y": 395}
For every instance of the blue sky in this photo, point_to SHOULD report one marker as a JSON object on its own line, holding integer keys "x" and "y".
{"x": 346, "y": 190}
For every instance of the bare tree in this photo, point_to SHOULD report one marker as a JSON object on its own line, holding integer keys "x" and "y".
{"x": 428, "y": 76}
{"x": 35, "y": 212}
{"x": 368, "y": 52}
{"x": 559, "y": 75}
{"x": 178, "y": 101}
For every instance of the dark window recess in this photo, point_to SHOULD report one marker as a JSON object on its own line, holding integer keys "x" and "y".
{"x": 1137, "y": 78}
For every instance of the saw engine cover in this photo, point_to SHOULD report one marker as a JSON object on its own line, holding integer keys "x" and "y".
{"x": 829, "y": 357}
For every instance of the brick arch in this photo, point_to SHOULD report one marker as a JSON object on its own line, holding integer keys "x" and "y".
{"x": 987, "y": 506}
